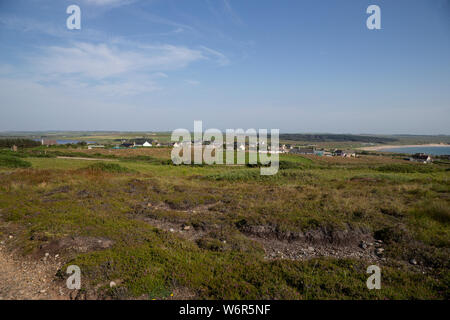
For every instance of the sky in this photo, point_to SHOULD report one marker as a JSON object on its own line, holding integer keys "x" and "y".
{"x": 294, "y": 65}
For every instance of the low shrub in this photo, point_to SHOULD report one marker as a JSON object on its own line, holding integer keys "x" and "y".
{"x": 13, "y": 162}
{"x": 107, "y": 167}
{"x": 438, "y": 211}
{"x": 406, "y": 168}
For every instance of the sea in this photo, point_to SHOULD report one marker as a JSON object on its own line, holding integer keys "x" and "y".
{"x": 437, "y": 151}
{"x": 73, "y": 141}
{"x": 67, "y": 141}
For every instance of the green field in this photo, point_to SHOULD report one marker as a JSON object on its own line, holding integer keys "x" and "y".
{"x": 226, "y": 232}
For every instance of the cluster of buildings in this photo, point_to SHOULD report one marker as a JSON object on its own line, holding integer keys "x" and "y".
{"x": 321, "y": 152}
{"x": 420, "y": 157}
{"x": 138, "y": 143}
{"x": 284, "y": 148}
{"x": 129, "y": 144}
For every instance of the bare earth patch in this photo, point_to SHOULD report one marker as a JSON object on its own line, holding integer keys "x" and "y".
{"x": 69, "y": 245}
{"x": 30, "y": 279}
{"x": 312, "y": 244}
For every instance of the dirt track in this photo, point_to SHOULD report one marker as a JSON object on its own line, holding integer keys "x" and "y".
{"x": 27, "y": 279}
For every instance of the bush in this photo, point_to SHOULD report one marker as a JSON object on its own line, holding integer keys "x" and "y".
{"x": 148, "y": 159}
{"x": 406, "y": 168}
{"x": 236, "y": 175}
{"x": 13, "y": 162}
{"x": 392, "y": 234}
{"x": 21, "y": 143}
{"x": 211, "y": 244}
{"x": 107, "y": 167}
{"x": 288, "y": 165}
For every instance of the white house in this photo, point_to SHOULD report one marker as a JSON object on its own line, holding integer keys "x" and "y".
{"x": 95, "y": 146}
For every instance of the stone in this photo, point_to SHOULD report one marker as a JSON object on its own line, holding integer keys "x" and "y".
{"x": 186, "y": 228}
{"x": 112, "y": 284}
{"x": 413, "y": 261}
{"x": 379, "y": 251}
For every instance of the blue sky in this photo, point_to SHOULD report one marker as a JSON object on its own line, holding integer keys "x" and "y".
{"x": 293, "y": 65}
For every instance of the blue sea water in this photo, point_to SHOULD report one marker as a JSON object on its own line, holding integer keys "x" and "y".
{"x": 427, "y": 150}
{"x": 72, "y": 141}
{"x": 67, "y": 141}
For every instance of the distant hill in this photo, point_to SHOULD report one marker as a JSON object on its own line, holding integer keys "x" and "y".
{"x": 328, "y": 137}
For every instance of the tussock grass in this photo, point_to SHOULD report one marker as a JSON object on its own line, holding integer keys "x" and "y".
{"x": 107, "y": 167}
{"x": 407, "y": 168}
{"x": 438, "y": 211}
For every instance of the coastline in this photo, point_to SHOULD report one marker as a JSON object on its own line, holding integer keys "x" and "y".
{"x": 382, "y": 147}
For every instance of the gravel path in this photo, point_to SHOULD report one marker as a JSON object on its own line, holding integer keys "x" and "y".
{"x": 27, "y": 279}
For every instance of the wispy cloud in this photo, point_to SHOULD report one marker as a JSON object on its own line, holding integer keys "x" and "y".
{"x": 216, "y": 55}
{"x": 153, "y": 18}
{"x": 39, "y": 27}
{"x": 108, "y": 2}
{"x": 96, "y": 63}
{"x": 100, "y": 61}
{"x": 118, "y": 69}
{"x": 192, "y": 82}
{"x": 29, "y": 25}
{"x": 230, "y": 11}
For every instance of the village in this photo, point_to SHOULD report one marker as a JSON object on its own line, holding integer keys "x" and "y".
{"x": 243, "y": 147}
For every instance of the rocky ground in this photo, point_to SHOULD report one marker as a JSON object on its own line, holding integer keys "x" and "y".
{"x": 364, "y": 247}
{"x": 23, "y": 278}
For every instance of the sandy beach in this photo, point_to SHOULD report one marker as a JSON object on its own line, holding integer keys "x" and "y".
{"x": 382, "y": 147}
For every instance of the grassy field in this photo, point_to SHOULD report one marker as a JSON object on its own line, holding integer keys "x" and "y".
{"x": 226, "y": 232}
